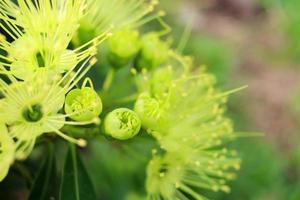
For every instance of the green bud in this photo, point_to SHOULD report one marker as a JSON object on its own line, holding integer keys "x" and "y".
{"x": 85, "y": 33}
{"x": 122, "y": 124}
{"x": 83, "y": 104}
{"x": 161, "y": 82}
{"x": 154, "y": 52}
{"x": 123, "y": 46}
{"x": 150, "y": 112}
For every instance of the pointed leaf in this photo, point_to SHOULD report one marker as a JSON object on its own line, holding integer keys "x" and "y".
{"x": 76, "y": 183}
{"x": 45, "y": 184}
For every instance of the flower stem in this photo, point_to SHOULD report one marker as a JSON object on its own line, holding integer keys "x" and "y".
{"x": 80, "y": 132}
{"x": 127, "y": 99}
{"x": 109, "y": 79}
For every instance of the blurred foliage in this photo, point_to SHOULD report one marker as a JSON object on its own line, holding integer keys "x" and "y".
{"x": 120, "y": 171}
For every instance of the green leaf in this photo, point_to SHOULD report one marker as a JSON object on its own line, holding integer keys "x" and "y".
{"x": 45, "y": 184}
{"x": 75, "y": 183}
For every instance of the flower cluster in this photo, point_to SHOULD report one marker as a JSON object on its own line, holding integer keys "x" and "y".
{"x": 184, "y": 112}
{"x": 181, "y": 108}
{"x": 176, "y": 103}
{"x": 39, "y": 73}
{"x": 114, "y": 15}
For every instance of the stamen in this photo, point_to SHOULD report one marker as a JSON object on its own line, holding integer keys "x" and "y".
{"x": 80, "y": 142}
{"x": 75, "y": 123}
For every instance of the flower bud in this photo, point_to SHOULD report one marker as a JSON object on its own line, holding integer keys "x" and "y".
{"x": 153, "y": 53}
{"x": 122, "y": 124}
{"x": 86, "y": 32}
{"x": 150, "y": 112}
{"x": 161, "y": 82}
{"x": 83, "y": 104}
{"x": 123, "y": 46}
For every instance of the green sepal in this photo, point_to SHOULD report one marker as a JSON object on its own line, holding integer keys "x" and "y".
{"x": 123, "y": 46}
{"x": 154, "y": 52}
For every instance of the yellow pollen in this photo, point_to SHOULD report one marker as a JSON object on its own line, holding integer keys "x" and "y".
{"x": 82, "y": 143}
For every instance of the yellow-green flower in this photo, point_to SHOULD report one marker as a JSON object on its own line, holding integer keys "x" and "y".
{"x": 180, "y": 176}
{"x": 28, "y": 56}
{"x": 39, "y": 56}
{"x": 184, "y": 112}
{"x": 7, "y": 151}
{"x": 164, "y": 173}
{"x": 31, "y": 108}
{"x": 27, "y": 109}
{"x": 42, "y": 32}
{"x": 114, "y": 15}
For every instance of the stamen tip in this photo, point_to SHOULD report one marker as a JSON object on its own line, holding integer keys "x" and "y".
{"x": 2, "y": 37}
{"x": 82, "y": 142}
{"x": 93, "y": 61}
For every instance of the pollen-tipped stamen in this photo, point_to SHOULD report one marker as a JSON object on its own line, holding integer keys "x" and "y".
{"x": 80, "y": 142}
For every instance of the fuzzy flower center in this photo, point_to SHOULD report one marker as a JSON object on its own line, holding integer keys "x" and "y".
{"x": 33, "y": 113}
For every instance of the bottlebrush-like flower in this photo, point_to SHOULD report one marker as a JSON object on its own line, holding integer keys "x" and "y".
{"x": 57, "y": 19}
{"x": 184, "y": 112}
{"x": 31, "y": 108}
{"x": 7, "y": 150}
{"x": 42, "y": 31}
{"x": 113, "y": 15}
{"x": 164, "y": 173}
{"x": 176, "y": 175}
